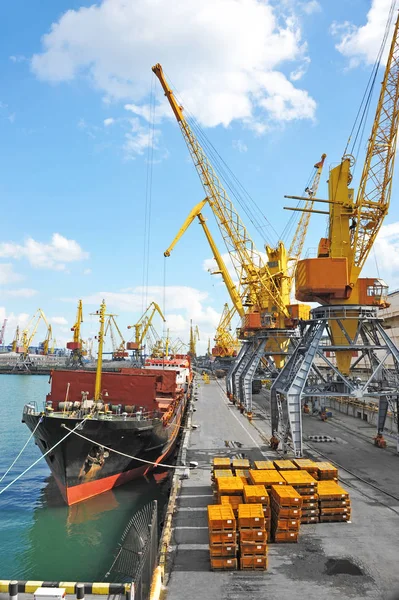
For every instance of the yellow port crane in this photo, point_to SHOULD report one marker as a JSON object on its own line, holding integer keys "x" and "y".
{"x": 76, "y": 346}
{"x": 194, "y": 338}
{"x": 142, "y": 326}
{"x": 15, "y": 342}
{"x": 29, "y": 332}
{"x": 226, "y": 345}
{"x": 268, "y": 286}
{"x": 47, "y": 340}
{"x": 348, "y": 316}
{"x": 118, "y": 345}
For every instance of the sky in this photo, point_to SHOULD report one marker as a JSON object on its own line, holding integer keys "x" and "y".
{"x": 96, "y": 179}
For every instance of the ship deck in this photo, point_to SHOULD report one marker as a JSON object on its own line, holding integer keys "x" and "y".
{"x": 354, "y": 560}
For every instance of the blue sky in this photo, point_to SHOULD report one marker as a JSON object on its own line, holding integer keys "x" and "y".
{"x": 273, "y": 84}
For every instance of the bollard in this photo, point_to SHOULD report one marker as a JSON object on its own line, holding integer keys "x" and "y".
{"x": 80, "y": 591}
{"x": 13, "y": 590}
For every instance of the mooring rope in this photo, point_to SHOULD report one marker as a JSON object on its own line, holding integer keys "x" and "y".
{"x": 27, "y": 442}
{"x": 43, "y": 456}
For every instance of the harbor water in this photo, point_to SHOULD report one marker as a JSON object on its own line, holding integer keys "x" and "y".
{"x": 40, "y": 537}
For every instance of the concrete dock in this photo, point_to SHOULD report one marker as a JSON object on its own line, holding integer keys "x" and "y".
{"x": 354, "y": 560}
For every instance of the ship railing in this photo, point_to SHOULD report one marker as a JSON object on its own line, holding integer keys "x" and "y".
{"x": 31, "y": 408}
{"x": 78, "y": 412}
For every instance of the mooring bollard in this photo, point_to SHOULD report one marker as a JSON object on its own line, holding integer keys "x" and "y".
{"x": 80, "y": 591}
{"x": 13, "y": 590}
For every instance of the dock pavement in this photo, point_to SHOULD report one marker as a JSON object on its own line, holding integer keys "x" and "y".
{"x": 356, "y": 560}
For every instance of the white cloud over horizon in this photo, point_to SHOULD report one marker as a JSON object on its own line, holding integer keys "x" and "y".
{"x": 54, "y": 255}
{"x": 183, "y": 303}
{"x": 58, "y": 320}
{"x": 114, "y": 43}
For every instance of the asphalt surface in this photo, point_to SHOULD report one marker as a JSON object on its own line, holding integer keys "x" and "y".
{"x": 354, "y": 560}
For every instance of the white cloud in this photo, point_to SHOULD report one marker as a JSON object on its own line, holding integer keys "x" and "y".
{"x": 18, "y": 293}
{"x": 234, "y": 67}
{"x": 18, "y": 58}
{"x": 59, "y": 320}
{"x": 298, "y": 73}
{"x": 311, "y": 7}
{"x": 52, "y": 256}
{"x": 12, "y": 321}
{"x": 7, "y": 274}
{"x": 139, "y": 138}
{"x": 109, "y": 121}
{"x": 361, "y": 43}
{"x": 384, "y": 257}
{"x": 240, "y": 146}
{"x": 87, "y": 272}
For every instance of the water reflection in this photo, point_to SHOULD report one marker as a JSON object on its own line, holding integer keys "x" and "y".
{"x": 77, "y": 542}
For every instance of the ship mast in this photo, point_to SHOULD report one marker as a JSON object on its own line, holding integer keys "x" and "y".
{"x": 97, "y": 388}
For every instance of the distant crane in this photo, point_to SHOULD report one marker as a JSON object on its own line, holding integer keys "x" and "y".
{"x": 142, "y": 326}
{"x": 76, "y": 346}
{"x": 22, "y": 346}
{"x": 194, "y": 337}
{"x": 2, "y": 333}
{"x": 118, "y": 347}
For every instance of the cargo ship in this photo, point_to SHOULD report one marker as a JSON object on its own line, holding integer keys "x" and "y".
{"x": 101, "y": 430}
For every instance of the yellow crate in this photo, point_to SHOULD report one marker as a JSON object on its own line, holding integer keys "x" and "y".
{"x": 266, "y": 478}
{"x": 221, "y": 462}
{"x": 284, "y": 465}
{"x": 327, "y": 471}
{"x": 331, "y": 490}
{"x": 221, "y": 518}
{"x": 240, "y": 463}
{"x": 251, "y": 516}
{"x": 222, "y": 473}
{"x": 223, "y": 564}
{"x": 299, "y": 479}
{"x": 256, "y": 494}
{"x": 305, "y": 464}
{"x": 286, "y": 495}
{"x": 264, "y": 465}
{"x": 228, "y": 486}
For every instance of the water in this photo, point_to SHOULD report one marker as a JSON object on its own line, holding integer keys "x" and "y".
{"x": 40, "y": 537}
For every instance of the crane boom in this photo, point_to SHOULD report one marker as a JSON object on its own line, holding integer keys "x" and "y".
{"x": 234, "y": 294}
{"x": 374, "y": 192}
{"x": 248, "y": 262}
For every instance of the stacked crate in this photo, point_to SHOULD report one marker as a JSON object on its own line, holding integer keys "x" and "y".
{"x": 284, "y": 465}
{"x": 230, "y": 492}
{"x": 305, "y": 464}
{"x": 334, "y": 502}
{"x": 327, "y": 472}
{"x": 222, "y": 537}
{"x": 252, "y": 537}
{"x": 264, "y": 465}
{"x": 257, "y": 494}
{"x": 306, "y": 486}
{"x": 286, "y": 506}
